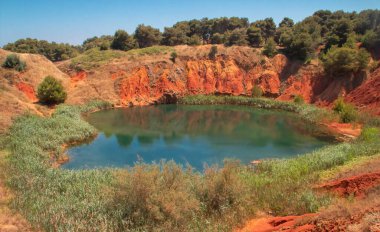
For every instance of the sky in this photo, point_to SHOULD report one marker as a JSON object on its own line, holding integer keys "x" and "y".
{"x": 73, "y": 21}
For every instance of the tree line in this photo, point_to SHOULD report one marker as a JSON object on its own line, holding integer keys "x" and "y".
{"x": 300, "y": 40}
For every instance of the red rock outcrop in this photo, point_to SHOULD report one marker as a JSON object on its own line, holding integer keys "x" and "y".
{"x": 355, "y": 185}
{"x": 28, "y": 90}
{"x": 367, "y": 96}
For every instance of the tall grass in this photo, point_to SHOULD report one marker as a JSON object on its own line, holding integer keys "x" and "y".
{"x": 163, "y": 196}
{"x": 308, "y": 112}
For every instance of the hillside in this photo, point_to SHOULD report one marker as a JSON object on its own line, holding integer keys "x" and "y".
{"x": 148, "y": 76}
{"x": 18, "y": 89}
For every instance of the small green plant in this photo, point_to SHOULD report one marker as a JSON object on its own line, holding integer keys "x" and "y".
{"x": 173, "y": 56}
{"x": 213, "y": 52}
{"x": 13, "y": 61}
{"x": 51, "y": 91}
{"x": 370, "y": 134}
{"x": 257, "y": 91}
{"x": 347, "y": 112}
{"x": 298, "y": 99}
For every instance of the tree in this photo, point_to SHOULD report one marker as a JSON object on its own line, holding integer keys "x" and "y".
{"x": 213, "y": 52}
{"x": 147, "y": 36}
{"x": 53, "y": 51}
{"x": 13, "y": 61}
{"x": 194, "y": 40}
{"x": 344, "y": 60}
{"x": 51, "y": 91}
{"x": 300, "y": 46}
{"x": 270, "y": 48}
{"x": 103, "y": 42}
{"x": 283, "y": 35}
{"x": 254, "y": 36}
{"x": 217, "y": 38}
{"x": 122, "y": 41}
{"x": 340, "y": 33}
{"x": 174, "y": 36}
{"x": 371, "y": 39}
{"x": 267, "y": 27}
{"x": 237, "y": 37}
{"x": 287, "y": 22}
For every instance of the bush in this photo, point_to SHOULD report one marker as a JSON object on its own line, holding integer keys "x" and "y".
{"x": 53, "y": 51}
{"x": 213, "y": 52}
{"x": 298, "y": 99}
{"x": 257, "y": 91}
{"x": 347, "y": 112}
{"x": 345, "y": 60}
{"x": 173, "y": 56}
{"x": 51, "y": 91}
{"x": 13, "y": 61}
{"x": 270, "y": 48}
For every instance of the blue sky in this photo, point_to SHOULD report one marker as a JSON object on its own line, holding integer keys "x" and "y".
{"x": 73, "y": 21}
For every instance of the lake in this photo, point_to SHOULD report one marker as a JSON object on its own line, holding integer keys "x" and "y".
{"x": 195, "y": 135}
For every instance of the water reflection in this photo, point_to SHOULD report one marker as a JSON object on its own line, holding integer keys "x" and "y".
{"x": 193, "y": 134}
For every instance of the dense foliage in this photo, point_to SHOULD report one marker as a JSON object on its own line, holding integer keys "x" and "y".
{"x": 14, "y": 61}
{"x": 53, "y": 51}
{"x": 340, "y": 61}
{"x": 102, "y": 42}
{"x": 123, "y": 41}
{"x": 51, "y": 91}
{"x": 346, "y": 111}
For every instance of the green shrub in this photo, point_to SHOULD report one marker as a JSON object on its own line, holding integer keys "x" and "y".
{"x": 257, "y": 91}
{"x": 270, "y": 49}
{"x": 51, "y": 91}
{"x": 13, "y": 61}
{"x": 298, "y": 99}
{"x": 347, "y": 112}
{"x": 213, "y": 52}
{"x": 344, "y": 60}
{"x": 173, "y": 56}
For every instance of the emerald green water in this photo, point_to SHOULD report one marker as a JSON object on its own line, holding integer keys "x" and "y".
{"x": 194, "y": 135}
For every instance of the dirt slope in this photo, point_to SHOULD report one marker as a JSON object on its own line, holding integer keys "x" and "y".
{"x": 18, "y": 89}
{"x": 367, "y": 96}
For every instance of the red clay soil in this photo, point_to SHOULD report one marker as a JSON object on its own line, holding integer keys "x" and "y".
{"x": 27, "y": 90}
{"x": 78, "y": 77}
{"x": 367, "y": 96}
{"x": 346, "y": 129}
{"x": 269, "y": 224}
{"x": 353, "y": 186}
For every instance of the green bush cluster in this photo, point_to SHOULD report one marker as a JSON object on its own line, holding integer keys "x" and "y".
{"x": 345, "y": 60}
{"x": 51, "y": 91}
{"x": 346, "y": 111}
{"x": 14, "y": 61}
{"x": 298, "y": 99}
{"x": 257, "y": 91}
{"x": 53, "y": 51}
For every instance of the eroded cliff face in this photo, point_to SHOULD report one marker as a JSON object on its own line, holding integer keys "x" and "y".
{"x": 161, "y": 81}
{"x": 149, "y": 83}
